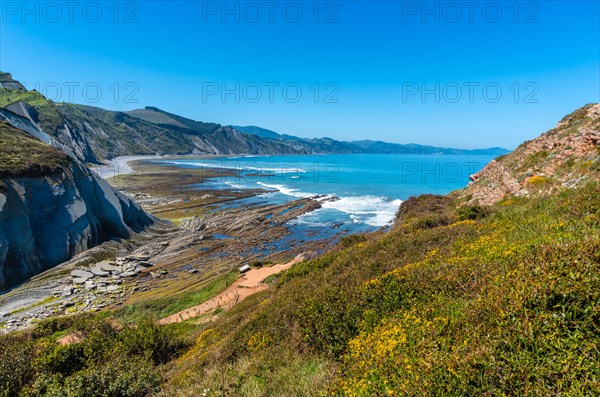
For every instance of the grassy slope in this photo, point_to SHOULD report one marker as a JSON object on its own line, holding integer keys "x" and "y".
{"x": 22, "y": 155}
{"x": 118, "y": 354}
{"x": 162, "y": 307}
{"x": 504, "y": 303}
{"x": 50, "y": 118}
{"x": 509, "y": 304}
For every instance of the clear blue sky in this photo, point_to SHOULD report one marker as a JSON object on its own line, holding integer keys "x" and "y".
{"x": 370, "y": 61}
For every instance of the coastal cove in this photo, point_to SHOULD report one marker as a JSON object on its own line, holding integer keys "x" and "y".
{"x": 358, "y": 192}
{"x": 230, "y": 211}
{"x": 305, "y": 199}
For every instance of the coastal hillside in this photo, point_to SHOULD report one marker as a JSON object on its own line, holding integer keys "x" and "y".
{"x": 215, "y": 138}
{"x": 456, "y": 299}
{"x": 566, "y": 156}
{"x": 39, "y": 110}
{"x": 51, "y": 206}
{"x": 97, "y": 134}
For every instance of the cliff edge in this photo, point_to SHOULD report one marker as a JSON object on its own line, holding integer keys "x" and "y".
{"x": 565, "y": 156}
{"x": 51, "y": 205}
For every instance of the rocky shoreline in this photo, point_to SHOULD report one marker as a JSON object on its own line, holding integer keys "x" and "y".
{"x": 196, "y": 242}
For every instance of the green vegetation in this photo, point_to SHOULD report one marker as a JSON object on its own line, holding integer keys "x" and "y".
{"x": 33, "y": 97}
{"x": 507, "y": 304}
{"x": 470, "y": 301}
{"x": 472, "y": 212}
{"x": 22, "y": 155}
{"x": 98, "y": 358}
{"x": 163, "y": 307}
{"x": 46, "y": 111}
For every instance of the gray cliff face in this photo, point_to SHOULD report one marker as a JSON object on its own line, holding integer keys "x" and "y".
{"x": 47, "y": 219}
{"x": 65, "y": 131}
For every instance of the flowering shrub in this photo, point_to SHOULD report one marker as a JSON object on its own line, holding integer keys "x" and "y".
{"x": 104, "y": 361}
{"x": 512, "y": 309}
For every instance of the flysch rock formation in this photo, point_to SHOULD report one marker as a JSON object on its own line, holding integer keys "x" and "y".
{"x": 86, "y": 284}
{"x": 45, "y": 220}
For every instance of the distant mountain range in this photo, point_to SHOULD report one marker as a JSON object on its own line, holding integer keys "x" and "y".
{"x": 97, "y": 134}
{"x": 329, "y": 145}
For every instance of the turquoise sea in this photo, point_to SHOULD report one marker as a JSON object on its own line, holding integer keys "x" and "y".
{"x": 368, "y": 188}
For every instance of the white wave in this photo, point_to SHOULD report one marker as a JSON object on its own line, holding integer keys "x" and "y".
{"x": 301, "y": 220}
{"x": 235, "y": 185}
{"x": 286, "y": 190}
{"x": 243, "y": 156}
{"x": 370, "y": 210}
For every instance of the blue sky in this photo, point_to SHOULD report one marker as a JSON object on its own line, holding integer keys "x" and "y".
{"x": 461, "y": 74}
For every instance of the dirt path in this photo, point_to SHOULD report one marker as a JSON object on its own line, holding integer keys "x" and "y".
{"x": 250, "y": 283}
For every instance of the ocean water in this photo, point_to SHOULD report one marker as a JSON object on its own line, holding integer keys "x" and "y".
{"x": 360, "y": 192}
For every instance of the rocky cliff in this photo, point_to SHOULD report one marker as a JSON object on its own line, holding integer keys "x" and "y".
{"x": 95, "y": 134}
{"x": 51, "y": 206}
{"x": 566, "y": 156}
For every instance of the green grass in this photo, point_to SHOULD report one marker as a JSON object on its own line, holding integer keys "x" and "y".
{"x": 497, "y": 301}
{"x": 24, "y": 156}
{"x": 507, "y": 303}
{"x": 48, "y": 114}
{"x": 106, "y": 361}
{"x": 163, "y": 307}
{"x": 33, "y": 97}
{"x": 37, "y": 304}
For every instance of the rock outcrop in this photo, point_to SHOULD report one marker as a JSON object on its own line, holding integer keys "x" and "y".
{"x": 566, "y": 156}
{"x": 7, "y": 82}
{"x": 45, "y": 219}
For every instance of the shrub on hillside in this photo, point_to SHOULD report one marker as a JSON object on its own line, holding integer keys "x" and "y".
{"x": 472, "y": 212}
{"x": 102, "y": 359}
{"x": 16, "y": 364}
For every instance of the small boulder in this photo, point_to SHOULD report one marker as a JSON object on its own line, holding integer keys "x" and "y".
{"x": 82, "y": 274}
{"x": 137, "y": 257}
{"x": 107, "y": 267}
{"x": 99, "y": 272}
{"x": 79, "y": 280}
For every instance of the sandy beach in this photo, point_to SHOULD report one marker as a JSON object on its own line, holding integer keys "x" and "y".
{"x": 122, "y": 165}
{"x": 119, "y": 166}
